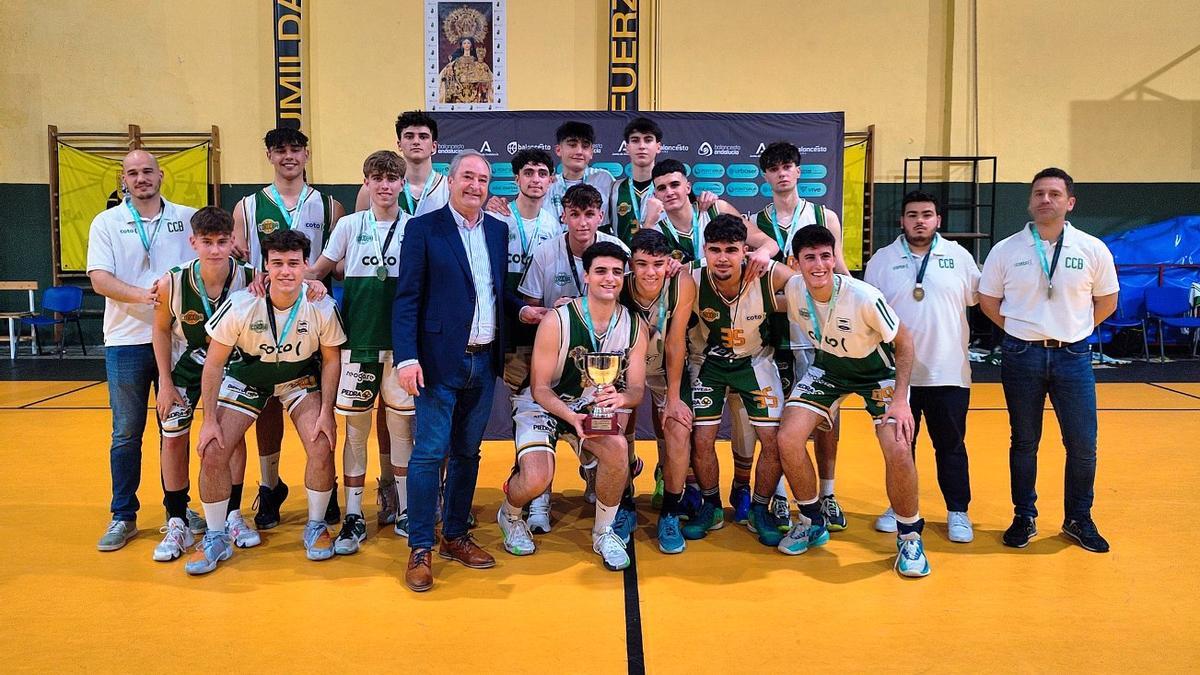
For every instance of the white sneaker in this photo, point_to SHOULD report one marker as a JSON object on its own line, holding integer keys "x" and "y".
{"x": 240, "y": 532}
{"x": 539, "y": 514}
{"x": 177, "y": 540}
{"x": 886, "y": 522}
{"x": 517, "y": 539}
{"x": 959, "y": 525}
{"x": 611, "y": 549}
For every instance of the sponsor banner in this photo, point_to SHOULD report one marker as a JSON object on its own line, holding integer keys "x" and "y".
{"x": 286, "y": 32}
{"x": 720, "y": 150}
{"x": 623, "y": 28}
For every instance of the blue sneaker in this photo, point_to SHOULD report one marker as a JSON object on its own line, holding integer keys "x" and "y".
{"x": 803, "y": 536}
{"x": 318, "y": 545}
{"x": 910, "y": 556}
{"x": 709, "y": 517}
{"x": 763, "y": 523}
{"x": 739, "y": 498}
{"x": 691, "y": 502}
{"x": 670, "y": 538}
{"x": 624, "y": 524}
{"x": 215, "y": 547}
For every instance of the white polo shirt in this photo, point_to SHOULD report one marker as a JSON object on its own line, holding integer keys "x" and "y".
{"x": 115, "y": 247}
{"x": 1013, "y": 272}
{"x": 938, "y": 322}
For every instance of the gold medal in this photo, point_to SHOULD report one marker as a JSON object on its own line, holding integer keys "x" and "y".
{"x": 918, "y": 293}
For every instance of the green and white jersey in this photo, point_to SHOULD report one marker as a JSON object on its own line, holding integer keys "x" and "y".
{"x": 312, "y": 216}
{"x": 627, "y": 204}
{"x": 597, "y": 178}
{"x": 683, "y": 248}
{"x": 732, "y": 328}
{"x": 524, "y": 236}
{"x": 788, "y": 335}
{"x": 575, "y": 342}
{"x": 189, "y": 313}
{"x": 366, "y": 246}
{"x": 267, "y": 350}
{"x": 436, "y": 195}
{"x": 856, "y": 333}
{"x": 657, "y": 317}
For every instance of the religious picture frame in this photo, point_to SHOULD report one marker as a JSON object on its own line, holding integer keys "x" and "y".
{"x": 465, "y": 55}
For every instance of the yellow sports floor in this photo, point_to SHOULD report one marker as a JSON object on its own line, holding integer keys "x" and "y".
{"x": 726, "y": 605}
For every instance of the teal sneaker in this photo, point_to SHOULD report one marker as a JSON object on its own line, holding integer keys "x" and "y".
{"x": 624, "y": 524}
{"x": 318, "y": 545}
{"x": 659, "y": 488}
{"x": 353, "y": 533}
{"x": 910, "y": 556}
{"x": 803, "y": 536}
{"x": 708, "y": 518}
{"x": 670, "y": 538}
{"x": 762, "y": 522}
{"x": 215, "y": 547}
{"x": 782, "y": 509}
{"x": 835, "y": 518}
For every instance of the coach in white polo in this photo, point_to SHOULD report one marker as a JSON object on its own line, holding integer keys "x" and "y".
{"x": 931, "y": 281}
{"x": 131, "y": 246}
{"x": 1048, "y": 286}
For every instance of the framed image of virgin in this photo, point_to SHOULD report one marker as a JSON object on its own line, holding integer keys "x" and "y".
{"x": 465, "y": 55}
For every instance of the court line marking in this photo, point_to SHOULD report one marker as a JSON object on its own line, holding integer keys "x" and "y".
{"x": 634, "y": 653}
{"x": 1173, "y": 391}
{"x": 51, "y": 398}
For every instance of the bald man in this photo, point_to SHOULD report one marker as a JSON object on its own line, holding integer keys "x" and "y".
{"x": 131, "y": 246}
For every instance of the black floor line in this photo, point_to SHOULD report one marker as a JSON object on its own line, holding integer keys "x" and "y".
{"x": 1173, "y": 391}
{"x": 633, "y": 616}
{"x": 51, "y": 398}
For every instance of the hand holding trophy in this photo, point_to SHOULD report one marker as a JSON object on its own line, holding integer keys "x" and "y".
{"x": 603, "y": 369}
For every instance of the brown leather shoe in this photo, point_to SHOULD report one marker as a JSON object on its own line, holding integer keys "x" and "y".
{"x": 466, "y": 551}
{"x": 419, "y": 576}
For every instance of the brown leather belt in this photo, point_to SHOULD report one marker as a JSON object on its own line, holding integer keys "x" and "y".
{"x": 475, "y": 349}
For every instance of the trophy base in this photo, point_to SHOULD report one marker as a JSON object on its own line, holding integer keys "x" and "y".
{"x": 601, "y": 426}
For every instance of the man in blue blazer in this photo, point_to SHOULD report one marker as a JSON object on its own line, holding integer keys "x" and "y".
{"x": 448, "y": 346}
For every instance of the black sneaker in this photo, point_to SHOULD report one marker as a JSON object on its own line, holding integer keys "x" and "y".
{"x": 333, "y": 512}
{"x": 267, "y": 505}
{"x": 1018, "y": 534}
{"x": 1085, "y": 534}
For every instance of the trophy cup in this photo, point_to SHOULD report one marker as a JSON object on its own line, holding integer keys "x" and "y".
{"x": 603, "y": 369}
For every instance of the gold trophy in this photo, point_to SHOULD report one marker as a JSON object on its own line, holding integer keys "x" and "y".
{"x": 603, "y": 369}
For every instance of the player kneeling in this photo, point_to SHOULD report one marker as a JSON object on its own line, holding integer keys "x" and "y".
{"x": 562, "y": 394}
{"x": 281, "y": 345}
{"x": 861, "y": 349}
{"x": 194, "y": 291}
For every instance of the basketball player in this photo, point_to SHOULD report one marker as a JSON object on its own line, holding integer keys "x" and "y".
{"x": 731, "y": 355}
{"x": 861, "y": 349}
{"x": 562, "y": 397}
{"x": 194, "y": 290}
{"x": 288, "y": 203}
{"x": 425, "y": 190}
{"x": 287, "y": 347}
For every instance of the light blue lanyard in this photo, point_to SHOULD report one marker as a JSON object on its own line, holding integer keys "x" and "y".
{"x": 779, "y": 232}
{"x": 1048, "y": 266}
{"x": 669, "y": 230}
{"x": 208, "y": 310}
{"x": 635, "y": 201}
{"x": 587, "y": 320}
{"x": 412, "y": 206}
{"x": 521, "y": 229}
{"x": 147, "y": 240}
{"x": 283, "y": 209}
{"x": 812, "y": 309}
{"x": 912, "y": 259}
{"x": 560, "y": 187}
{"x": 280, "y": 338}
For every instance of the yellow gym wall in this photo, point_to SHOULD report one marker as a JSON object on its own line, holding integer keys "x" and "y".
{"x": 1058, "y": 83}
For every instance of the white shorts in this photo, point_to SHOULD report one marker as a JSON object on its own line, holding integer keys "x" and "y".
{"x": 535, "y": 430}
{"x": 361, "y": 383}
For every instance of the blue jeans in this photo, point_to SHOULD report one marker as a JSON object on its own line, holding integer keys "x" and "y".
{"x": 1029, "y": 372}
{"x": 131, "y": 372}
{"x": 451, "y": 416}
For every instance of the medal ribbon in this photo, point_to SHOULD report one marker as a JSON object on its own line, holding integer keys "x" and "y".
{"x": 278, "y": 337}
{"x": 412, "y": 206}
{"x": 587, "y": 321}
{"x": 1047, "y": 267}
{"x": 912, "y": 259}
{"x": 208, "y": 310}
{"x": 780, "y": 236}
{"x": 283, "y": 209}
{"x": 147, "y": 241}
{"x": 375, "y": 235}
{"x": 812, "y": 310}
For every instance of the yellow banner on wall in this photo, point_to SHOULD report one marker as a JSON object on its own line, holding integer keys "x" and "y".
{"x": 90, "y": 183}
{"x": 854, "y": 179}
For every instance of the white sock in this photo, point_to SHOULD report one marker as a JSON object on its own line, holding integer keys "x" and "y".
{"x": 908, "y": 520}
{"x": 353, "y": 500}
{"x": 318, "y": 501}
{"x": 400, "y": 434}
{"x": 511, "y": 512}
{"x": 826, "y": 487}
{"x": 781, "y": 488}
{"x": 605, "y": 515}
{"x": 215, "y": 513}
{"x": 268, "y": 466}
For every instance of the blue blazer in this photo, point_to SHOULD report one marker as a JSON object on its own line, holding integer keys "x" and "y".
{"x": 435, "y": 295}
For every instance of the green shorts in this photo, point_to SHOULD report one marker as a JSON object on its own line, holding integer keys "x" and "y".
{"x": 823, "y": 393}
{"x": 185, "y": 377}
{"x": 360, "y": 386}
{"x": 656, "y": 384}
{"x": 535, "y": 430}
{"x": 754, "y": 379}
{"x": 250, "y": 400}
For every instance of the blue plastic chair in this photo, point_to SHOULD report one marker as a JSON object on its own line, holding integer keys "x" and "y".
{"x": 1170, "y": 306}
{"x": 66, "y": 301}
{"x": 1130, "y": 313}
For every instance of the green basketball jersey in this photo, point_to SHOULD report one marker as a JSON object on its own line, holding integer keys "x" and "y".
{"x": 657, "y": 316}
{"x": 189, "y": 312}
{"x": 683, "y": 248}
{"x": 786, "y": 335}
{"x": 575, "y": 341}
{"x": 313, "y": 216}
{"x": 627, "y": 205}
{"x": 732, "y": 328}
